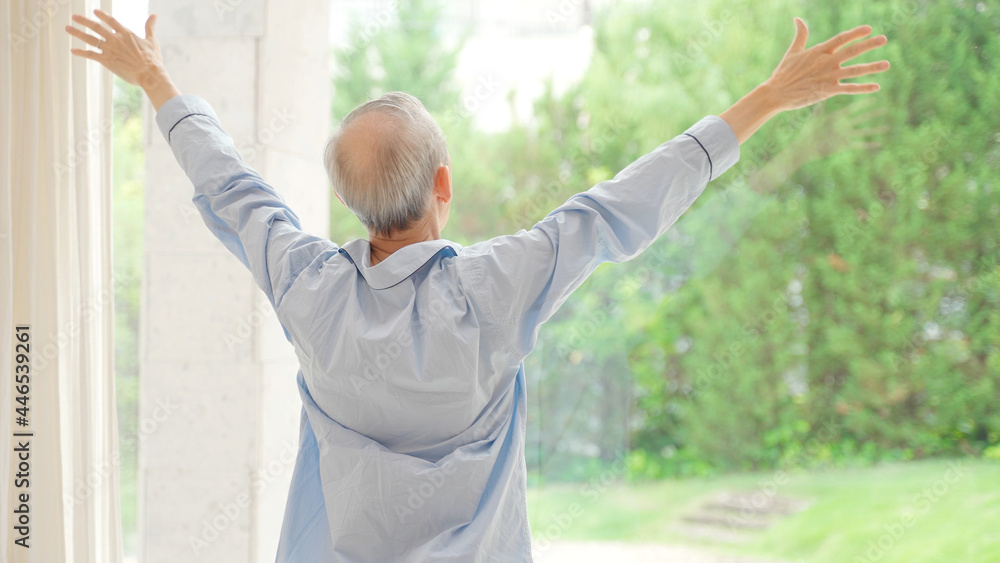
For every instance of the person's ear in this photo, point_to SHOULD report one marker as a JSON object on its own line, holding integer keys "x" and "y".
{"x": 442, "y": 183}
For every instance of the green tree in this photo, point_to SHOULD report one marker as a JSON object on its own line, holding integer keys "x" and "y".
{"x": 903, "y": 245}
{"x": 829, "y": 299}
{"x": 854, "y": 311}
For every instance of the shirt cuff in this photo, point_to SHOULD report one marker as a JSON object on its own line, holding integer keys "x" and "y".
{"x": 719, "y": 141}
{"x": 174, "y": 110}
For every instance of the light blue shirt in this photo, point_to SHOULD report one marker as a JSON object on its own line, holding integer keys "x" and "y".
{"x": 411, "y": 374}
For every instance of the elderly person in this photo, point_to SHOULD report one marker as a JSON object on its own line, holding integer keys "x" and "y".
{"x": 411, "y": 346}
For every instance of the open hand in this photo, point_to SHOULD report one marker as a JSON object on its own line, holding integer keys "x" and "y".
{"x": 135, "y": 59}
{"x": 806, "y": 76}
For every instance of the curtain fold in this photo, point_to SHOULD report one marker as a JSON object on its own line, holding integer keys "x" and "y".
{"x": 56, "y": 278}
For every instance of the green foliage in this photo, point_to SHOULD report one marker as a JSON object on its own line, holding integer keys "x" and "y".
{"x": 852, "y": 316}
{"x": 888, "y": 349}
{"x": 908, "y": 334}
{"x": 399, "y": 50}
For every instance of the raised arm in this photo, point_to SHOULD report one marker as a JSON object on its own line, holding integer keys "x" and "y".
{"x": 520, "y": 280}
{"x": 242, "y": 210}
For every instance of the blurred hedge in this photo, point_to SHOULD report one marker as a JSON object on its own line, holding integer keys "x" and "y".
{"x": 852, "y": 314}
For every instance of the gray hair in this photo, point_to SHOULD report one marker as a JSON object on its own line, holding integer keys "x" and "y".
{"x": 390, "y": 187}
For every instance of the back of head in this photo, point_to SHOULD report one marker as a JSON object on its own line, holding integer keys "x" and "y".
{"x": 382, "y": 160}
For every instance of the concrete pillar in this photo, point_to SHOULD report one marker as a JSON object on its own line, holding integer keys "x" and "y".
{"x": 218, "y": 401}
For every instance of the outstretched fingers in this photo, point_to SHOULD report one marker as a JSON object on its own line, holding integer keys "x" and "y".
{"x": 854, "y": 88}
{"x": 92, "y": 55}
{"x": 843, "y": 38}
{"x": 85, "y": 37}
{"x": 854, "y": 71}
{"x": 94, "y": 26}
{"x": 112, "y": 22}
{"x": 838, "y": 47}
{"x": 858, "y": 49}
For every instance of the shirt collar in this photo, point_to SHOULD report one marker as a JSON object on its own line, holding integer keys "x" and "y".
{"x": 399, "y": 265}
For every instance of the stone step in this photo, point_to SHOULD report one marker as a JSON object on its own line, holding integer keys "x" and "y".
{"x": 756, "y": 503}
{"x": 736, "y": 517}
{"x": 728, "y": 520}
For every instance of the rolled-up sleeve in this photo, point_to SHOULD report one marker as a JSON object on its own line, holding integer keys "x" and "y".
{"x": 520, "y": 280}
{"x": 242, "y": 210}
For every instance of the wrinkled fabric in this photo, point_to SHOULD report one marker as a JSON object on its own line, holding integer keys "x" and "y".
{"x": 411, "y": 373}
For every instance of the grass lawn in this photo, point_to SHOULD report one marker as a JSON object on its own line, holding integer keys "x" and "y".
{"x": 938, "y": 510}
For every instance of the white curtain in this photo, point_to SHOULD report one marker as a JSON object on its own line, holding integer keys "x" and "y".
{"x": 56, "y": 278}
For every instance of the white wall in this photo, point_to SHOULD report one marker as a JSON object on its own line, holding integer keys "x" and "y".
{"x": 218, "y": 396}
